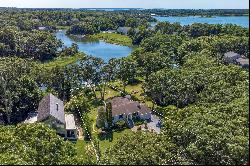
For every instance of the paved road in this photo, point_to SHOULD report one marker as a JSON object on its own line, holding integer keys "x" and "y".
{"x": 152, "y": 125}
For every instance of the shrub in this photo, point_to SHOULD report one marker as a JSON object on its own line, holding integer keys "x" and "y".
{"x": 120, "y": 125}
{"x": 138, "y": 121}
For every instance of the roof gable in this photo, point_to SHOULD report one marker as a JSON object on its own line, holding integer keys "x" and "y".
{"x": 121, "y": 105}
{"x": 51, "y": 106}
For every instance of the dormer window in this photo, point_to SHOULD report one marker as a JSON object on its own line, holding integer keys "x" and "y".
{"x": 57, "y": 107}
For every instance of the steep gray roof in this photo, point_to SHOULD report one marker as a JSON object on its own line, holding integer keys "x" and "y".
{"x": 123, "y": 30}
{"x": 51, "y": 106}
{"x": 122, "y": 105}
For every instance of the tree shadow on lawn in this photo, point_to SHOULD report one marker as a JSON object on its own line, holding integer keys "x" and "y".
{"x": 108, "y": 135}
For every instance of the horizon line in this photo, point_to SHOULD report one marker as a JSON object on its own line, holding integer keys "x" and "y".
{"x": 125, "y": 8}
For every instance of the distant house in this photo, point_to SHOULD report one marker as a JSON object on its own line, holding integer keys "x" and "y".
{"x": 75, "y": 20}
{"x": 51, "y": 112}
{"x": 243, "y": 62}
{"x": 123, "y": 30}
{"x": 230, "y": 57}
{"x": 46, "y": 28}
{"x": 125, "y": 109}
{"x": 152, "y": 28}
{"x": 42, "y": 28}
{"x": 234, "y": 58}
{"x": 109, "y": 31}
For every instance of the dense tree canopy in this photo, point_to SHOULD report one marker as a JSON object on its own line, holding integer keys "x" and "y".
{"x": 143, "y": 149}
{"x": 34, "y": 144}
{"x": 20, "y": 93}
{"x": 214, "y": 134}
{"x": 33, "y": 44}
{"x": 181, "y": 69}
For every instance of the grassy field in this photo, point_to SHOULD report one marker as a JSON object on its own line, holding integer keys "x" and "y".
{"x": 111, "y": 138}
{"x": 62, "y": 61}
{"x": 134, "y": 88}
{"x": 109, "y": 93}
{"x": 80, "y": 148}
{"x": 113, "y": 38}
{"x": 63, "y": 27}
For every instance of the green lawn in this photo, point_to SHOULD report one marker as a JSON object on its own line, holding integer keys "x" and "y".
{"x": 132, "y": 88}
{"x": 63, "y": 27}
{"x": 109, "y": 93}
{"x": 111, "y": 138}
{"x": 62, "y": 61}
{"x": 80, "y": 148}
{"x": 113, "y": 38}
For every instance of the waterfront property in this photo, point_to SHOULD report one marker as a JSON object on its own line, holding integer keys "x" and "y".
{"x": 51, "y": 112}
{"x": 123, "y": 30}
{"x": 125, "y": 109}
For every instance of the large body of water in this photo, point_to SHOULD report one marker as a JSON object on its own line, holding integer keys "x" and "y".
{"x": 96, "y": 48}
{"x": 107, "y": 51}
{"x": 238, "y": 20}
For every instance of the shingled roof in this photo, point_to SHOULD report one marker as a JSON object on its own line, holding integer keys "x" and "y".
{"x": 122, "y": 105}
{"x": 51, "y": 106}
{"x": 232, "y": 55}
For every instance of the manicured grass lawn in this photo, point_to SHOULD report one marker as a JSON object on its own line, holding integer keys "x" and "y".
{"x": 62, "y": 61}
{"x": 63, "y": 27}
{"x": 81, "y": 148}
{"x": 113, "y": 38}
{"x": 109, "y": 93}
{"x": 132, "y": 88}
{"x": 111, "y": 138}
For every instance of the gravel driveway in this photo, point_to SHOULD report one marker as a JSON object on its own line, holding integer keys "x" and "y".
{"x": 153, "y": 124}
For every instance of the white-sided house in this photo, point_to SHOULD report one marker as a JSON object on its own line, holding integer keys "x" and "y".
{"x": 125, "y": 109}
{"x": 51, "y": 112}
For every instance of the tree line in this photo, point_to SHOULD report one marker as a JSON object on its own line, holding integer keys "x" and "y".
{"x": 203, "y": 99}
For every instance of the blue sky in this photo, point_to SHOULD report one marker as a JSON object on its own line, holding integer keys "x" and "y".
{"x": 169, "y": 4}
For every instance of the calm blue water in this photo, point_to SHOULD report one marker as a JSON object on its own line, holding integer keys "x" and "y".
{"x": 95, "y": 48}
{"x": 238, "y": 20}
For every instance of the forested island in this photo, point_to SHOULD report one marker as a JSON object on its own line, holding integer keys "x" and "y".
{"x": 191, "y": 77}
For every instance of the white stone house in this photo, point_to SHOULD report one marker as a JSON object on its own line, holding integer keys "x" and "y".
{"x": 51, "y": 112}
